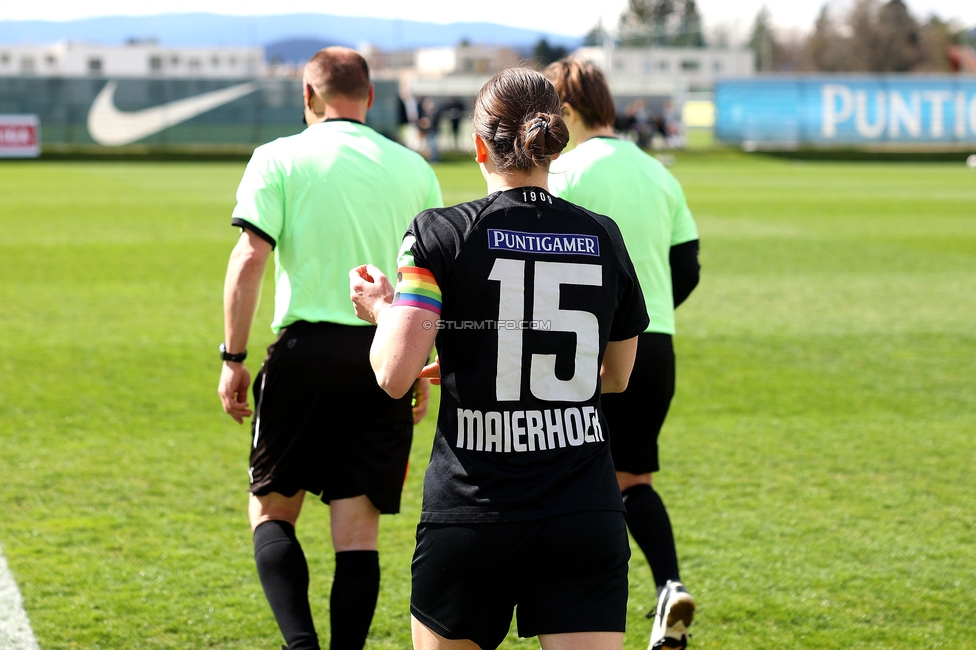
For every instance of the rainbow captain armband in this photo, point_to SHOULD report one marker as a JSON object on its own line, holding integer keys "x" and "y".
{"x": 416, "y": 287}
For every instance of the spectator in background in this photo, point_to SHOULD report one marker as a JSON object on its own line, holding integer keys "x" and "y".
{"x": 430, "y": 123}
{"x": 453, "y": 111}
{"x": 641, "y": 130}
{"x": 671, "y": 127}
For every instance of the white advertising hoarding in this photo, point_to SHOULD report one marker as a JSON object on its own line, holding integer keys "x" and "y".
{"x": 20, "y": 136}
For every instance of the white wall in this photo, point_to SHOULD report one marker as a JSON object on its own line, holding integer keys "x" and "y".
{"x": 141, "y": 60}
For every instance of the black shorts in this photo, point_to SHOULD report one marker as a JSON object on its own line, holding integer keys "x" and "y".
{"x": 322, "y": 424}
{"x": 566, "y": 573}
{"x": 635, "y": 416}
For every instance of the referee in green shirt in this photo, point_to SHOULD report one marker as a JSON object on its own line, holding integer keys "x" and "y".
{"x": 328, "y": 199}
{"x": 616, "y": 178}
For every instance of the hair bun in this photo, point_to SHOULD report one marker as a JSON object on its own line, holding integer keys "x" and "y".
{"x": 543, "y": 135}
{"x": 516, "y": 114}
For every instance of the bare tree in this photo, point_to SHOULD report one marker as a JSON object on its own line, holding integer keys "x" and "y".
{"x": 864, "y": 43}
{"x": 762, "y": 41}
{"x": 898, "y": 37}
{"x": 936, "y": 36}
{"x": 826, "y": 49}
{"x": 664, "y": 23}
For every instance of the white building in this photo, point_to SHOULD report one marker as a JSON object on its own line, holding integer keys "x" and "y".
{"x": 668, "y": 71}
{"x": 464, "y": 59}
{"x": 458, "y": 71}
{"x": 137, "y": 59}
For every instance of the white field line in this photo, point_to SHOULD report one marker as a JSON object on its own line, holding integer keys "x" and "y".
{"x": 15, "y": 629}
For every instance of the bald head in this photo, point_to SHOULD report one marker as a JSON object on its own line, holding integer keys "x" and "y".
{"x": 338, "y": 72}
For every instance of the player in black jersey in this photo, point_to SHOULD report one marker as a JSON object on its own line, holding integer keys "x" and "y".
{"x": 535, "y": 308}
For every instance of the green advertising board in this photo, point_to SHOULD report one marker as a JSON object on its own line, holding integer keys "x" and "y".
{"x": 171, "y": 114}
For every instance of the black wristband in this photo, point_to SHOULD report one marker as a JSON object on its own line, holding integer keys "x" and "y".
{"x": 227, "y": 356}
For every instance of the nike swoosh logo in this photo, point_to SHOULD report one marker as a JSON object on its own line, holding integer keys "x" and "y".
{"x": 111, "y": 127}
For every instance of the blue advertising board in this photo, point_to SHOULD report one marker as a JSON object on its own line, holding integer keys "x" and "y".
{"x": 846, "y": 110}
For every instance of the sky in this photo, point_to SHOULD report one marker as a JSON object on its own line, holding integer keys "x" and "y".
{"x": 575, "y": 17}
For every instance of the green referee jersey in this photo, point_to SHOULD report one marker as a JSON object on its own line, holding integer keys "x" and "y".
{"x": 616, "y": 178}
{"x": 330, "y": 198}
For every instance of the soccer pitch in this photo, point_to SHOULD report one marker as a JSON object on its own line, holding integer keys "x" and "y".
{"x": 817, "y": 462}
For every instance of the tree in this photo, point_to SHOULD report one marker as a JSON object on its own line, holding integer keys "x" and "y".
{"x": 864, "y": 39}
{"x": 690, "y": 29}
{"x": 884, "y": 38}
{"x": 762, "y": 40}
{"x": 662, "y": 23}
{"x": 826, "y": 48}
{"x": 544, "y": 54}
{"x": 935, "y": 38}
{"x": 596, "y": 36}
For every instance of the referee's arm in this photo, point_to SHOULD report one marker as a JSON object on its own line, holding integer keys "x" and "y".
{"x": 685, "y": 270}
{"x": 242, "y": 289}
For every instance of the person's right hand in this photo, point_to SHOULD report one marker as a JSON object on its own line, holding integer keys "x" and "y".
{"x": 370, "y": 292}
{"x": 432, "y": 372}
{"x": 232, "y": 388}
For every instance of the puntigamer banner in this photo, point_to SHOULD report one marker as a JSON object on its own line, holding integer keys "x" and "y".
{"x": 847, "y": 110}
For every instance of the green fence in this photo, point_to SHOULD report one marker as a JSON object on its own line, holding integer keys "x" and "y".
{"x": 171, "y": 114}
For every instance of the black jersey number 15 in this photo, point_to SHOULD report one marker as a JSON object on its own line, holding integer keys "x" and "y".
{"x": 543, "y": 382}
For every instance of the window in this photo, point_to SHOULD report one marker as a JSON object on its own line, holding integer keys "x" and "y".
{"x": 215, "y": 61}
{"x": 690, "y": 65}
{"x": 50, "y": 60}
{"x": 27, "y": 65}
{"x": 665, "y": 65}
{"x": 174, "y": 60}
{"x": 155, "y": 63}
{"x": 194, "y": 64}
{"x": 94, "y": 66}
{"x": 4, "y": 58}
{"x": 717, "y": 66}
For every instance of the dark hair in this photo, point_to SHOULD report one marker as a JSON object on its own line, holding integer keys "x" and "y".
{"x": 517, "y": 116}
{"x": 338, "y": 71}
{"x": 581, "y": 85}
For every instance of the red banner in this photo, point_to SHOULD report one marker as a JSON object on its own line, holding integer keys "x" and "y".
{"x": 20, "y": 136}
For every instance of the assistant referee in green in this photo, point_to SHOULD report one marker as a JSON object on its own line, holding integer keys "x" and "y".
{"x": 328, "y": 199}
{"x": 616, "y": 178}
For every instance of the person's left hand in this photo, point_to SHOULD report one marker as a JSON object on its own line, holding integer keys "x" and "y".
{"x": 370, "y": 292}
{"x": 421, "y": 398}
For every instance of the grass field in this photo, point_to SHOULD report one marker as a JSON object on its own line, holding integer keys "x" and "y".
{"x": 818, "y": 459}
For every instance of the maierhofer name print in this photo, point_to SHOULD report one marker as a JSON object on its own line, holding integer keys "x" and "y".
{"x": 530, "y": 242}
{"x": 522, "y": 431}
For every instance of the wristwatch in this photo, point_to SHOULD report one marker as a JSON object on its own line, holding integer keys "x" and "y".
{"x": 227, "y": 356}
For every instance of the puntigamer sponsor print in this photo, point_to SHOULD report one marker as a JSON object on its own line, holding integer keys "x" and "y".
{"x": 531, "y": 242}
{"x": 847, "y": 110}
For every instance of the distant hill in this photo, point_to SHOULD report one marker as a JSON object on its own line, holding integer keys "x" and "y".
{"x": 214, "y": 29}
{"x": 296, "y": 50}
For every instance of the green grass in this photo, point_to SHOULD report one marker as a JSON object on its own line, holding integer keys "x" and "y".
{"x": 817, "y": 461}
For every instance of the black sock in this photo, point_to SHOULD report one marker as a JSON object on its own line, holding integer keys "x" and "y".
{"x": 354, "y": 590}
{"x": 648, "y": 522}
{"x": 284, "y": 576}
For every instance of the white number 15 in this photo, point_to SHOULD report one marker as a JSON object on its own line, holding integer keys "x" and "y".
{"x": 543, "y": 382}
